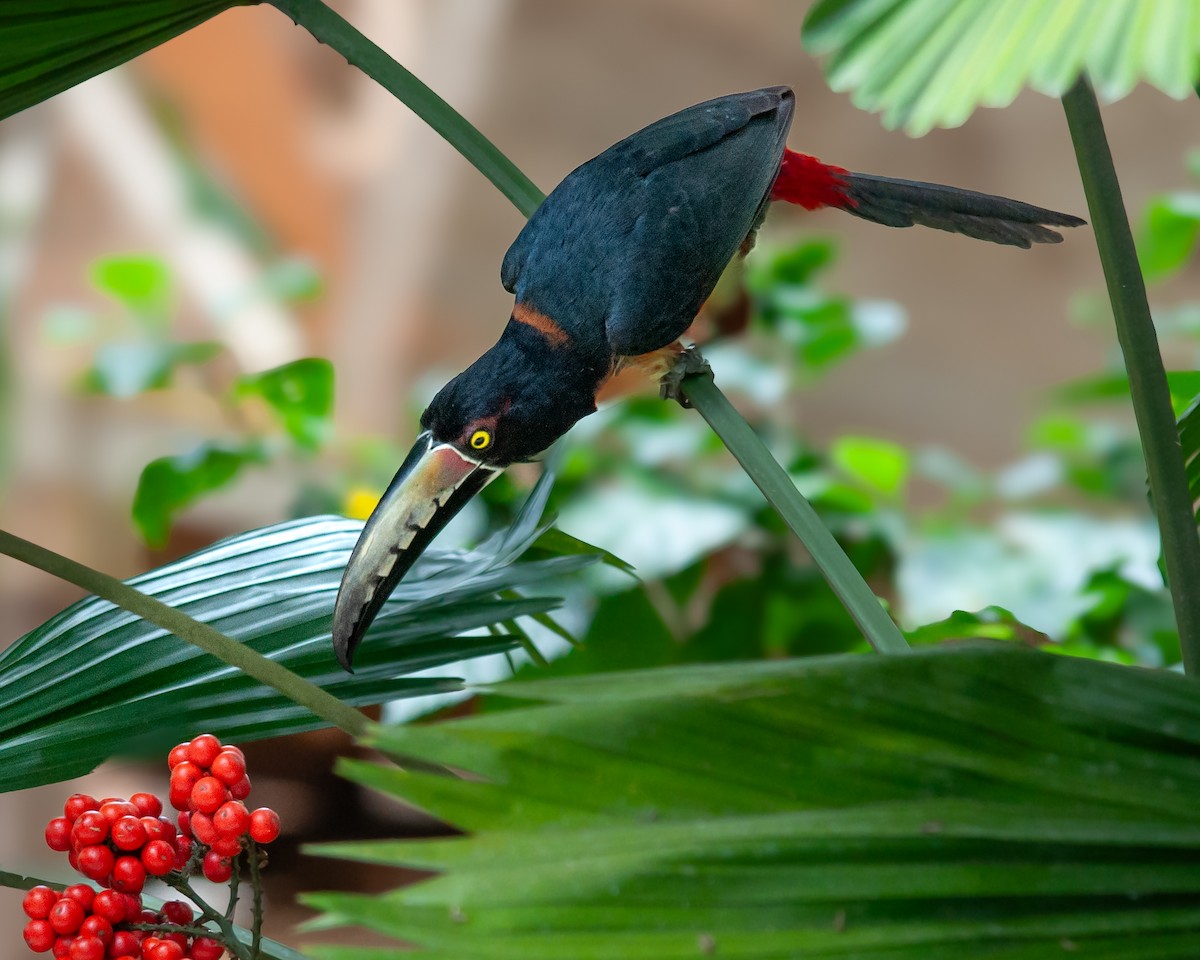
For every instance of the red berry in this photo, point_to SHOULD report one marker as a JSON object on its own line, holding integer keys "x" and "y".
{"x": 206, "y": 948}
{"x": 78, "y": 803}
{"x": 158, "y": 828}
{"x": 264, "y": 825}
{"x": 128, "y": 833}
{"x": 86, "y": 948}
{"x": 82, "y": 894}
{"x": 128, "y": 875}
{"x": 241, "y": 789}
{"x": 177, "y": 912}
{"x": 148, "y": 805}
{"x": 125, "y": 943}
{"x": 73, "y": 859}
{"x": 96, "y": 862}
{"x": 158, "y": 857}
{"x": 186, "y": 774}
{"x": 177, "y": 755}
{"x": 114, "y": 810}
{"x": 183, "y": 778}
{"x": 38, "y": 901}
{"x": 203, "y": 828}
{"x": 208, "y": 794}
{"x": 185, "y": 823}
{"x": 232, "y": 819}
{"x": 203, "y": 750}
{"x": 218, "y": 869}
{"x": 66, "y": 916}
{"x": 164, "y": 949}
{"x": 97, "y": 927}
{"x": 133, "y": 906}
{"x": 89, "y": 828}
{"x": 58, "y": 834}
{"x": 183, "y": 851}
{"x": 39, "y": 935}
{"x": 110, "y": 905}
{"x": 228, "y": 767}
{"x": 227, "y": 846}
{"x": 62, "y": 947}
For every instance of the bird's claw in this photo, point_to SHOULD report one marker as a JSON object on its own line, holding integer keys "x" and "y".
{"x": 690, "y": 361}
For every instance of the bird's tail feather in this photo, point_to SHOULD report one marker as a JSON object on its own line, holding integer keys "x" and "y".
{"x": 810, "y": 183}
{"x": 903, "y": 203}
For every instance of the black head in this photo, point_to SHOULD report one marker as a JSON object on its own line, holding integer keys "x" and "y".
{"x": 516, "y": 400}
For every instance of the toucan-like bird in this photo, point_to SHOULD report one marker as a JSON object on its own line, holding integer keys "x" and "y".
{"x": 614, "y": 265}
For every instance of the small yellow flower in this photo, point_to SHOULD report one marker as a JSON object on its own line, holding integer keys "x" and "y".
{"x": 359, "y": 502}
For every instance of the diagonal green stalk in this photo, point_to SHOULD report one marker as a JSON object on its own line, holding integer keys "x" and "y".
{"x": 749, "y": 450}
{"x": 862, "y": 605}
{"x": 1148, "y": 387}
{"x": 253, "y": 664}
{"x": 330, "y": 28}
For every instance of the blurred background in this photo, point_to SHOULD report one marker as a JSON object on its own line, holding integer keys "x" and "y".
{"x": 240, "y": 199}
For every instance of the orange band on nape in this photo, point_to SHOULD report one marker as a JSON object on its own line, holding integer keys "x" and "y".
{"x": 555, "y": 335}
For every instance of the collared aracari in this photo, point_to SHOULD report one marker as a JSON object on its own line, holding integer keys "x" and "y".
{"x": 614, "y": 265}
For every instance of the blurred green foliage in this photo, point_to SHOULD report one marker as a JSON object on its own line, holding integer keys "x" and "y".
{"x": 135, "y": 350}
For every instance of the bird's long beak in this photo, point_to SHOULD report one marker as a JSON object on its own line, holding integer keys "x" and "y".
{"x": 431, "y": 486}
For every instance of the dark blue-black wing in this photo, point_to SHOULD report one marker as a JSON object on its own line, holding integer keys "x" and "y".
{"x": 628, "y": 247}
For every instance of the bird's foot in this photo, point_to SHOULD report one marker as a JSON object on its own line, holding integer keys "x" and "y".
{"x": 689, "y": 361}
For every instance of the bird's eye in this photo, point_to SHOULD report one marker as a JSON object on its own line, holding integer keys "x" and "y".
{"x": 480, "y": 440}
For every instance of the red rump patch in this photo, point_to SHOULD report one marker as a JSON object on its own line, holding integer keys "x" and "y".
{"x": 806, "y": 181}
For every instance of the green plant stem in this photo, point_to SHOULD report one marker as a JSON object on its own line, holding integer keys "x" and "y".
{"x": 1147, "y": 379}
{"x": 862, "y": 605}
{"x": 235, "y": 881}
{"x": 228, "y": 932}
{"x": 226, "y": 649}
{"x": 254, "y": 855}
{"x": 329, "y": 28}
{"x": 169, "y": 928}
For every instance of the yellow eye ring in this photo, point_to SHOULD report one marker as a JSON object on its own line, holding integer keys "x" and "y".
{"x": 480, "y": 440}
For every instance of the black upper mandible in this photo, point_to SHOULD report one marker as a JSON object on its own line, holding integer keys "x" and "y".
{"x": 629, "y": 246}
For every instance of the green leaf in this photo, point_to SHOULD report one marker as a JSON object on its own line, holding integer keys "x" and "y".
{"x": 95, "y": 681}
{"x": 169, "y": 485}
{"x": 930, "y": 63}
{"x": 47, "y": 46}
{"x": 142, "y": 284}
{"x": 991, "y": 623}
{"x": 877, "y": 464}
{"x": 1168, "y": 235}
{"x": 300, "y": 394}
{"x": 976, "y": 800}
{"x": 1189, "y": 439}
{"x": 125, "y": 368}
{"x": 1184, "y": 386}
{"x": 556, "y": 543}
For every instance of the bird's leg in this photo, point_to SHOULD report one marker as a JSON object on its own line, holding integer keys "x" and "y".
{"x": 689, "y": 361}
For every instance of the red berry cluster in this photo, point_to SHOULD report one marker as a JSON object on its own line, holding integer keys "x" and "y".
{"x": 208, "y": 785}
{"x": 118, "y": 842}
{"x": 82, "y": 924}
